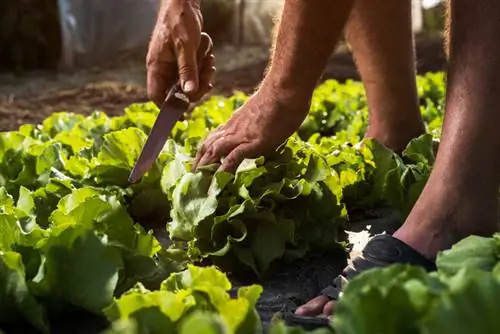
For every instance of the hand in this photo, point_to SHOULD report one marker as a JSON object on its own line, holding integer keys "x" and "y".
{"x": 256, "y": 129}
{"x": 179, "y": 49}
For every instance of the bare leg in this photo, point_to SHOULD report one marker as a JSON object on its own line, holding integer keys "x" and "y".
{"x": 379, "y": 32}
{"x": 460, "y": 198}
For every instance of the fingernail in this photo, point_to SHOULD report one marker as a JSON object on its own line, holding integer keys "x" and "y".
{"x": 189, "y": 86}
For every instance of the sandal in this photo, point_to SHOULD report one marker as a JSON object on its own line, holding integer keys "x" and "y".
{"x": 381, "y": 251}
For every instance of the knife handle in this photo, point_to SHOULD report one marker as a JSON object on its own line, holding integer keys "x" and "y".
{"x": 176, "y": 97}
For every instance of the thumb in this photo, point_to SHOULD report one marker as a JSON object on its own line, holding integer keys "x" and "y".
{"x": 188, "y": 70}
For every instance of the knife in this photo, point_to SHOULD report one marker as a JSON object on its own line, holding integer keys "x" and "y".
{"x": 175, "y": 105}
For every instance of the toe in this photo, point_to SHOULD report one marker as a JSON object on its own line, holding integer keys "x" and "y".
{"x": 313, "y": 307}
{"x": 329, "y": 308}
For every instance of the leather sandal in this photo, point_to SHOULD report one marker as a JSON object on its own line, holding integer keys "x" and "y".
{"x": 381, "y": 251}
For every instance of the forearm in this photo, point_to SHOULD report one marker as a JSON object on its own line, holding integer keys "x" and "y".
{"x": 306, "y": 36}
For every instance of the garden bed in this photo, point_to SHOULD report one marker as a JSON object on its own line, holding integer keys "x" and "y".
{"x": 84, "y": 251}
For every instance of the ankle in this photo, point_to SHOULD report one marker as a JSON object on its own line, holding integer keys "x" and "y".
{"x": 435, "y": 225}
{"x": 395, "y": 136}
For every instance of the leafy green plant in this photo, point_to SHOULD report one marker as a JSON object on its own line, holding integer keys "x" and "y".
{"x": 417, "y": 302}
{"x": 77, "y": 237}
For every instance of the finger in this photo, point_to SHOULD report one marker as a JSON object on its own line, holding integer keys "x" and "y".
{"x": 204, "y": 145}
{"x": 329, "y": 308}
{"x": 234, "y": 159}
{"x": 206, "y": 46}
{"x": 207, "y": 144}
{"x": 161, "y": 76}
{"x": 197, "y": 97}
{"x": 220, "y": 148}
{"x": 205, "y": 89}
{"x": 188, "y": 68}
{"x": 190, "y": 60}
{"x": 206, "y": 61}
{"x": 161, "y": 66}
{"x": 208, "y": 70}
{"x": 313, "y": 307}
{"x": 206, "y": 77}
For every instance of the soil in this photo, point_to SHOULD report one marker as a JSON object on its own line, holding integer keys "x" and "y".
{"x": 31, "y": 97}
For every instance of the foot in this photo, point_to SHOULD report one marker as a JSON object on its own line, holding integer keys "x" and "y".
{"x": 381, "y": 250}
{"x": 432, "y": 226}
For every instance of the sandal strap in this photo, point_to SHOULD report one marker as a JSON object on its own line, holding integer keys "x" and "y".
{"x": 381, "y": 251}
{"x": 334, "y": 290}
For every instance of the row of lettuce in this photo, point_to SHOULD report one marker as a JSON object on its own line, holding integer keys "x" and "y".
{"x": 460, "y": 297}
{"x": 76, "y": 234}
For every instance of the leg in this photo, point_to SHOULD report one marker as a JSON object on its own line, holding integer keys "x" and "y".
{"x": 460, "y": 198}
{"x": 379, "y": 32}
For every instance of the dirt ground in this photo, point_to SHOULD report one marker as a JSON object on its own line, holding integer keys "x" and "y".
{"x": 31, "y": 97}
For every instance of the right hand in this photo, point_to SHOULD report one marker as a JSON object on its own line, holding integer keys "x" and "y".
{"x": 262, "y": 124}
{"x": 176, "y": 51}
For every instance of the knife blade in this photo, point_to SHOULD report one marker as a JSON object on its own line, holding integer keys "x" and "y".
{"x": 174, "y": 106}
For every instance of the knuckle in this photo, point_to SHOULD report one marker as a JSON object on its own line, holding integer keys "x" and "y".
{"x": 257, "y": 142}
{"x": 185, "y": 70}
{"x": 179, "y": 43}
{"x": 232, "y": 160}
{"x": 216, "y": 133}
{"x": 210, "y": 152}
{"x": 203, "y": 147}
{"x": 217, "y": 148}
{"x": 210, "y": 136}
{"x": 182, "y": 42}
{"x": 240, "y": 153}
{"x": 229, "y": 162}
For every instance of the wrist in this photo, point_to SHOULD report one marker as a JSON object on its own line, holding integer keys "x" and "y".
{"x": 293, "y": 99}
{"x": 287, "y": 90}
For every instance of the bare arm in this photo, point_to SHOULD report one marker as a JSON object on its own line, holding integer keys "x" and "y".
{"x": 307, "y": 33}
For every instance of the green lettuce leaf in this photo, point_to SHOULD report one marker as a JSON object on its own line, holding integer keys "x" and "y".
{"x": 473, "y": 252}
{"x": 16, "y": 300}
{"x": 117, "y": 156}
{"x": 73, "y": 257}
{"x": 454, "y": 314}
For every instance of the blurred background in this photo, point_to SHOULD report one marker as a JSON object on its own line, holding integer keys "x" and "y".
{"x": 85, "y": 55}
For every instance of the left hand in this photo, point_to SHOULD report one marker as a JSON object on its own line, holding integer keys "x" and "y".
{"x": 177, "y": 49}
